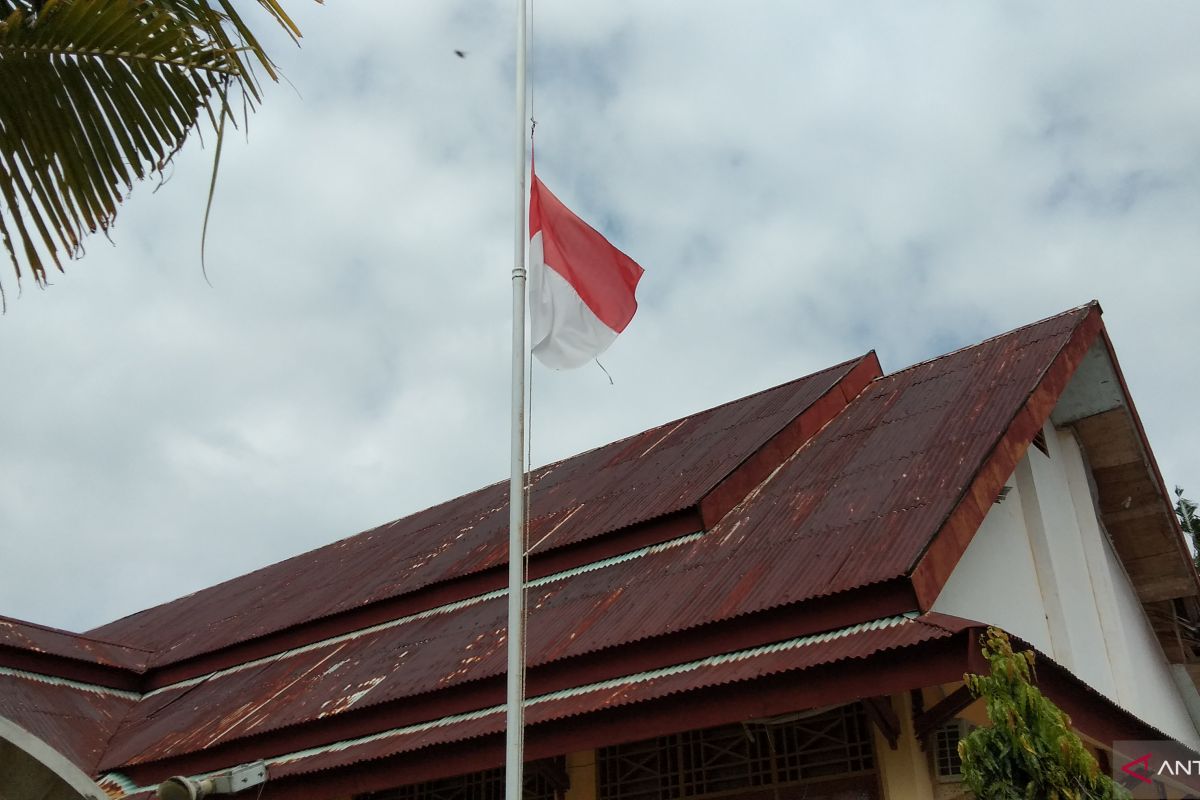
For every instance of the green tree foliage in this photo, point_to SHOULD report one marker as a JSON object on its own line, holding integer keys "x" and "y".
{"x": 98, "y": 94}
{"x": 1186, "y": 511}
{"x": 1029, "y": 752}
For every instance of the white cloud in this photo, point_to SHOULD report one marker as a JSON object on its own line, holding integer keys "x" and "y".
{"x": 802, "y": 183}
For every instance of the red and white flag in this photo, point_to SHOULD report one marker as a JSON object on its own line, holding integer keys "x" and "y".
{"x": 581, "y": 288}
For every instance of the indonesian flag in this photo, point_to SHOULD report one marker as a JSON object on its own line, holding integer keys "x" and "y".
{"x": 581, "y": 288}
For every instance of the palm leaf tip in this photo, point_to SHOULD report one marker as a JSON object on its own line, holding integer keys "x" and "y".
{"x": 96, "y": 95}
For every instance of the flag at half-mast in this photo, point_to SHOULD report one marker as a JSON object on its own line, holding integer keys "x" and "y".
{"x": 582, "y": 290}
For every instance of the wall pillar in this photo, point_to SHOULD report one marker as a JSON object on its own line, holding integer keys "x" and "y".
{"x": 904, "y": 773}
{"x": 581, "y": 769}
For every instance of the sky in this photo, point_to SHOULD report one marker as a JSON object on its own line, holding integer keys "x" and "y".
{"x": 803, "y": 182}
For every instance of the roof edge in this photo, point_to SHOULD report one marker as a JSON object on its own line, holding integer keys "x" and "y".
{"x": 932, "y": 568}
{"x": 1151, "y": 461}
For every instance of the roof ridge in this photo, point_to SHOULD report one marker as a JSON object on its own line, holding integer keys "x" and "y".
{"x": 72, "y": 634}
{"x": 685, "y": 417}
{"x": 1086, "y": 306}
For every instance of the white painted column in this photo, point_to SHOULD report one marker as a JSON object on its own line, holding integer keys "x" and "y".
{"x": 1093, "y": 539}
{"x": 1043, "y": 560}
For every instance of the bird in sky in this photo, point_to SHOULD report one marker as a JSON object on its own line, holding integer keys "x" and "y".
{"x": 460, "y": 53}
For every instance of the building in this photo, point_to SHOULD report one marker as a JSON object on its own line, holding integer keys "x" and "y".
{"x": 777, "y": 597}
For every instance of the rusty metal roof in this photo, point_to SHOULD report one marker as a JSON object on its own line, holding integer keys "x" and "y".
{"x": 854, "y": 642}
{"x": 861, "y": 501}
{"x": 74, "y": 718}
{"x": 39, "y": 639}
{"x": 663, "y": 470}
{"x": 859, "y": 641}
{"x": 855, "y": 506}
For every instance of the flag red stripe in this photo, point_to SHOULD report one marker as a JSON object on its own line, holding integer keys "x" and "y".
{"x": 605, "y": 278}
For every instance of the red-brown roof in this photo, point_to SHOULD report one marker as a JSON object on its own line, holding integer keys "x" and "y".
{"x": 857, "y": 505}
{"x": 26, "y": 636}
{"x": 810, "y": 506}
{"x": 646, "y": 476}
{"x": 859, "y": 642}
{"x": 75, "y": 719}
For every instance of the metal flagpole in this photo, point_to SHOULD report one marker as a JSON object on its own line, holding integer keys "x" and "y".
{"x": 515, "y": 719}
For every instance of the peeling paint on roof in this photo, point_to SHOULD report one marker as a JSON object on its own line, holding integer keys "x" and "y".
{"x": 582, "y": 699}
{"x": 713, "y": 665}
{"x": 446, "y": 608}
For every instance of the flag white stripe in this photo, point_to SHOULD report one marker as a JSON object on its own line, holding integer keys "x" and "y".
{"x": 565, "y": 332}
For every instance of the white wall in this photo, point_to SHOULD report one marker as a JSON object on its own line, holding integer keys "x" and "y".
{"x": 1042, "y": 568}
{"x": 996, "y": 582}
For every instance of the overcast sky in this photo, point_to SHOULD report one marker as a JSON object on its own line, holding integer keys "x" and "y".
{"x": 803, "y": 182}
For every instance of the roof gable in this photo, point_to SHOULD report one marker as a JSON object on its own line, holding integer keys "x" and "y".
{"x": 867, "y": 498}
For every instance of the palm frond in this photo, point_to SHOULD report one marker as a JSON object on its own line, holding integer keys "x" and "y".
{"x": 98, "y": 94}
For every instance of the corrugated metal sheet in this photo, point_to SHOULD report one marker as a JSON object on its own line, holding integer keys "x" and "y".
{"x": 855, "y": 506}
{"x": 867, "y": 495}
{"x": 75, "y": 720}
{"x": 40, "y": 639}
{"x": 855, "y": 642}
{"x": 657, "y": 472}
{"x": 859, "y": 642}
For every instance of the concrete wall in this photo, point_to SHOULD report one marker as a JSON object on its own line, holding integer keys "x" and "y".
{"x": 1041, "y": 567}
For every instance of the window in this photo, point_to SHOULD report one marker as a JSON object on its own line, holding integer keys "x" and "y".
{"x": 947, "y": 764}
{"x": 732, "y": 757}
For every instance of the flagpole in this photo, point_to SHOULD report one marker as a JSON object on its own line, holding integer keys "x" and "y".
{"x": 514, "y": 756}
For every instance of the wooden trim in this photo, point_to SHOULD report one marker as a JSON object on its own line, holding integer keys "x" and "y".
{"x": 929, "y": 721}
{"x": 883, "y": 717}
{"x": 1148, "y": 455}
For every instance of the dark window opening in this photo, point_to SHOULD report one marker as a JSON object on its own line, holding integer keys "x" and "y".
{"x": 733, "y": 758}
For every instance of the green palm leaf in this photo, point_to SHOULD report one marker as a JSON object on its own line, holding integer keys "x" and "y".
{"x": 98, "y": 94}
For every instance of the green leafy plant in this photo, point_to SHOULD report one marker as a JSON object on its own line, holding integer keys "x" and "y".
{"x": 98, "y": 94}
{"x": 1186, "y": 511}
{"x": 1029, "y": 752}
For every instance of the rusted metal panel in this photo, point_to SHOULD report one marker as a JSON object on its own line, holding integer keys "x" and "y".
{"x": 49, "y": 641}
{"x": 74, "y": 720}
{"x": 612, "y": 694}
{"x": 854, "y": 506}
{"x": 657, "y": 472}
{"x": 1046, "y": 366}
